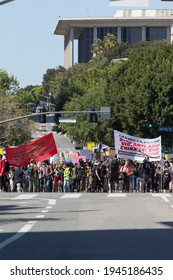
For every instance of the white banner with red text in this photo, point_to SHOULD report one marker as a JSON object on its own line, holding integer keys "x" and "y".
{"x": 135, "y": 148}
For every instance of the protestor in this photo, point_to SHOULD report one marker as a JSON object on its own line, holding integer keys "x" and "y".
{"x": 166, "y": 177}
{"x": 136, "y": 173}
{"x": 32, "y": 169}
{"x": 79, "y": 171}
{"x": 148, "y": 172}
{"x": 18, "y": 179}
{"x": 26, "y": 179}
{"x": 58, "y": 177}
{"x": 158, "y": 178}
{"x": 41, "y": 172}
{"x": 113, "y": 174}
{"x": 11, "y": 174}
{"x": 67, "y": 179}
{"x": 3, "y": 186}
{"x": 89, "y": 178}
{"x": 48, "y": 177}
{"x": 7, "y": 170}
{"x": 98, "y": 178}
{"x": 127, "y": 171}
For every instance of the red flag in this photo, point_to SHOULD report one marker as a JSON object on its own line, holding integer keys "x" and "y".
{"x": 38, "y": 150}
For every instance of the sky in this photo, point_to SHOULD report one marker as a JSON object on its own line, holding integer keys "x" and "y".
{"x": 28, "y": 45}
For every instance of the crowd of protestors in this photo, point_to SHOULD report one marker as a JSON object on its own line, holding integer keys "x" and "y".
{"x": 111, "y": 175}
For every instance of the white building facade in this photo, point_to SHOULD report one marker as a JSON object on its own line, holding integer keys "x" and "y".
{"x": 127, "y": 25}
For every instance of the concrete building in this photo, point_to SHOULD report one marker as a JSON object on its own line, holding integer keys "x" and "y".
{"x": 127, "y": 25}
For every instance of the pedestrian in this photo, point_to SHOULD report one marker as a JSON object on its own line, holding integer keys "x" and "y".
{"x": 18, "y": 179}
{"x": 32, "y": 175}
{"x": 2, "y": 175}
{"x": 67, "y": 179}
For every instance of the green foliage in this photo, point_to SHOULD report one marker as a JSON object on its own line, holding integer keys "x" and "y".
{"x": 139, "y": 91}
{"x": 8, "y": 84}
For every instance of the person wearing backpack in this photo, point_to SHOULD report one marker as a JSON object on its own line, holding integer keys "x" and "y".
{"x": 32, "y": 169}
{"x": 18, "y": 179}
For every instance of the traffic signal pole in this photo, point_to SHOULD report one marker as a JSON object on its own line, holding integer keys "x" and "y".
{"x": 46, "y": 113}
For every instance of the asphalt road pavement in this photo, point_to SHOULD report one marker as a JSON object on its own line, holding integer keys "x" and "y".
{"x": 84, "y": 226}
{"x": 62, "y": 142}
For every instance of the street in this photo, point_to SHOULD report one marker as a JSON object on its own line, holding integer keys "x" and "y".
{"x": 91, "y": 226}
{"x": 62, "y": 142}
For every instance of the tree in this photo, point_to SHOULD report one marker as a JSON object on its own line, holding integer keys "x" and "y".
{"x": 12, "y": 133}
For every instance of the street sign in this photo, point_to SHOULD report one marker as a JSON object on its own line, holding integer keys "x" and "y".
{"x": 166, "y": 149}
{"x": 67, "y": 120}
{"x": 165, "y": 129}
{"x": 105, "y": 113}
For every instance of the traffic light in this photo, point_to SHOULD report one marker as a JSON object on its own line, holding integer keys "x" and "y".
{"x": 150, "y": 125}
{"x": 92, "y": 116}
{"x": 42, "y": 118}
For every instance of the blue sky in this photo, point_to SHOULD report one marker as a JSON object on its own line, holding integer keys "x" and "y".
{"x": 28, "y": 46}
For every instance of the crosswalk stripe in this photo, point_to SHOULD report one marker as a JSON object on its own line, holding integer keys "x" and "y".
{"x": 72, "y": 195}
{"x": 117, "y": 195}
{"x": 25, "y": 196}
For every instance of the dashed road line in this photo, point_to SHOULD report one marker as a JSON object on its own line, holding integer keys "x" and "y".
{"x": 28, "y": 226}
{"x": 52, "y": 201}
{"x": 16, "y": 236}
{"x": 40, "y": 216}
{"x": 32, "y": 222}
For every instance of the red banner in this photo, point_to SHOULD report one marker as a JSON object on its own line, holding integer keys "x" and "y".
{"x": 39, "y": 150}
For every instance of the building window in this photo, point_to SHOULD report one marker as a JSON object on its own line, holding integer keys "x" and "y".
{"x": 156, "y": 33}
{"x": 131, "y": 34}
{"x": 84, "y": 45}
{"x": 103, "y": 31}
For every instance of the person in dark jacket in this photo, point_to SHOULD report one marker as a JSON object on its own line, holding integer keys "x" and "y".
{"x": 18, "y": 178}
{"x": 148, "y": 175}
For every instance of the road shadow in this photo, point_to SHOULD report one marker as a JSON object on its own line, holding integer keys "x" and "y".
{"x": 141, "y": 244}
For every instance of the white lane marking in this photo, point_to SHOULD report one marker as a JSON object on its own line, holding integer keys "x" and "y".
{"x": 162, "y": 195}
{"x": 165, "y": 199}
{"x": 117, "y": 195}
{"x": 32, "y": 222}
{"x": 44, "y": 211}
{"x": 48, "y": 207}
{"x": 73, "y": 195}
{"x": 25, "y": 196}
{"x": 52, "y": 201}
{"x": 39, "y": 216}
{"x": 171, "y": 206}
{"x": 16, "y": 236}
